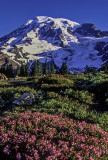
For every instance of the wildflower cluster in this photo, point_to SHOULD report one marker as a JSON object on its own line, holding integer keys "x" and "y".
{"x": 40, "y": 136}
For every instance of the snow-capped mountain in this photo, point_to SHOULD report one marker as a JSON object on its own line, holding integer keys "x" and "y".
{"x": 59, "y": 40}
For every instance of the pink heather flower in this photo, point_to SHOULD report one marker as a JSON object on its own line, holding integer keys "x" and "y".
{"x": 18, "y": 156}
{"x": 31, "y": 131}
{"x": 28, "y": 157}
{"x": 36, "y": 155}
{"x": 6, "y": 149}
{"x": 51, "y": 158}
{"x": 99, "y": 153}
{"x": 79, "y": 158}
{"x": 16, "y": 147}
{"x": 82, "y": 138}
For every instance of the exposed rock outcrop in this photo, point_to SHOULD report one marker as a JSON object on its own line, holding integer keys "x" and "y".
{"x": 26, "y": 98}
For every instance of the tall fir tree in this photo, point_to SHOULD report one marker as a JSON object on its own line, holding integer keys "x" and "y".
{"x": 18, "y": 71}
{"x": 64, "y": 69}
{"x": 39, "y": 68}
{"x": 49, "y": 69}
{"x": 35, "y": 70}
{"x": 53, "y": 70}
{"x": 9, "y": 71}
{"x": 27, "y": 72}
{"x": 3, "y": 70}
{"x": 22, "y": 70}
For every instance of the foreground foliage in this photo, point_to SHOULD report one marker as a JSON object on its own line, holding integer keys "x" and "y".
{"x": 40, "y": 131}
{"x": 34, "y": 135}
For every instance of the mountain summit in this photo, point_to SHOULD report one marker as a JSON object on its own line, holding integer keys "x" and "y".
{"x": 59, "y": 40}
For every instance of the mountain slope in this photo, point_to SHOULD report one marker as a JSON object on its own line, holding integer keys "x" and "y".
{"x": 59, "y": 40}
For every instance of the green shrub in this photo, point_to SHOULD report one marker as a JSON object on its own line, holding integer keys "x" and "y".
{"x": 82, "y": 96}
{"x": 11, "y": 92}
{"x": 45, "y": 86}
{"x": 55, "y": 80}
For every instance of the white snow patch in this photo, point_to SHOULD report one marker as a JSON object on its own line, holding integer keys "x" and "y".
{"x": 11, "y": 39}
{"x": 28, "y": 22}
{"x": 42, "y": 18}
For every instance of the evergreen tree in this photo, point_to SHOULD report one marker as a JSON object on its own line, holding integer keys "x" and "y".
{"x": 27, "y": 72}
{"x": 53, "y": 70}
{"x": 64, "y": 69}
{"x": 9, "y": 71}
{"x": 94, "y": 71}
{"x": 22, "y": 70}
{"x": 49, "y": 69}
{"x": 35, "y": 70}
{"x": 40, "y": 71}
{"x": 45, "y": 71}
{"x": 3, "y": 70}
{"x": 18, "y": 71}
{"x": 39, "y": 68}
{"x": 32, "y": 71}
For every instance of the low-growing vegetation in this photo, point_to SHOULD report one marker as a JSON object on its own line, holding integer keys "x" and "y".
{"x": 34, "y": 135}
{"x": 67, "y": 120}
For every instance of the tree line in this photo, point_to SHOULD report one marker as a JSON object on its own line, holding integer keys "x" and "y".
{"x": 37, "y": 70}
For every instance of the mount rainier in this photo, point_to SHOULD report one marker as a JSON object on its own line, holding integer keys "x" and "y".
{"x": 57, "y": 39}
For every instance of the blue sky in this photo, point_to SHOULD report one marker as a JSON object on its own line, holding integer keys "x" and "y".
{"x": 14, "y": 13}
